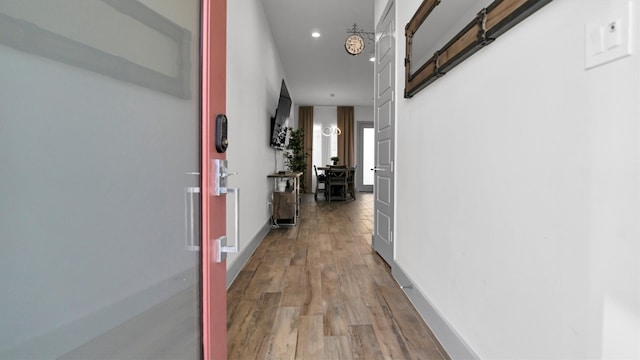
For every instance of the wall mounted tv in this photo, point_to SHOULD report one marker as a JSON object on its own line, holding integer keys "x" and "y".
{"x": 278, "y": 122}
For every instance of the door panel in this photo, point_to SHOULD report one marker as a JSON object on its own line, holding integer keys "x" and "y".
{"x": 384, "y": 78}
{"x": 384, "y": 152}
{"x": 384, "y": 137}
{"x": 384, "y": 113}
{"x": 97, "y": 146}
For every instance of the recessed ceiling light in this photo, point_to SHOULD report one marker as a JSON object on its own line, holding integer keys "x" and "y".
{"x": 315, "y": 34}
{"x": 372, "y": 59}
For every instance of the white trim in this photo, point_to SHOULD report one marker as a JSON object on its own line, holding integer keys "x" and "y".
{"x": 243, "y": 257}
{"x": 453, "y": 344}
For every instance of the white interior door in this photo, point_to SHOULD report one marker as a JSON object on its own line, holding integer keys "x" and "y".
{"x": 384, "y": 137}
{"x": 99, "y": 159}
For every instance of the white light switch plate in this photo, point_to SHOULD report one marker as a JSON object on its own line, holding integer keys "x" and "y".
{"x": 608, "y": 38}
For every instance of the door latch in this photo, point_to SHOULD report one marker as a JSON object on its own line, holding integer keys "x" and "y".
{"x": 220, "y": 188}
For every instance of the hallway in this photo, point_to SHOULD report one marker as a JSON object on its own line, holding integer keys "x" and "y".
{"x": 318, "y": 291}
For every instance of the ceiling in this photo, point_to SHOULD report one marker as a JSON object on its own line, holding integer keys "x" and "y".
{"x": 315, "y": 68}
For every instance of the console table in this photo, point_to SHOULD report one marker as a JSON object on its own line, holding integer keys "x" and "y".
{"x": 286, "y": 200}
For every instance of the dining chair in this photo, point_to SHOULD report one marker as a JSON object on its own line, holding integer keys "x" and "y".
{"x": 351, "y": 181}
{"x": 337, "y": 182}
{"x": 321, "y": 184}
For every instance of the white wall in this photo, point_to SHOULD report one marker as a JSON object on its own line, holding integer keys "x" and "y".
{"x": 517, "y": 191}
{"x": 254, "y": 76}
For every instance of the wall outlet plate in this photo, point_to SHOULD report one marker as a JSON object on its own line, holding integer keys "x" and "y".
{"x": 609, "y": 37}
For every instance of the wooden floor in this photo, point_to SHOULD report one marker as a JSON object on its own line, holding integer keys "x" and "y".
{"x": 318, "y": 291}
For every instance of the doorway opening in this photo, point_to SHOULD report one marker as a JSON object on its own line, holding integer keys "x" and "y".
{"x": 366, "y": 156}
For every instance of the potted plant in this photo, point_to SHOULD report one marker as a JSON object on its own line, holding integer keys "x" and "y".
{"x": 335, "y": 160}
{"x": 296, "y": 157}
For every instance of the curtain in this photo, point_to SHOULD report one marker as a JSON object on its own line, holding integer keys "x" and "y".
{"x": 345, "y": 139}
{"x": 305, "y": 121}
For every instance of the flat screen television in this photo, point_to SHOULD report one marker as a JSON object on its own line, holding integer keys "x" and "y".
{"x": 279, "y": 122}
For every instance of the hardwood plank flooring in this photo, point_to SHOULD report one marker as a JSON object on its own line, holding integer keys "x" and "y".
{"x": 319, "y": 291}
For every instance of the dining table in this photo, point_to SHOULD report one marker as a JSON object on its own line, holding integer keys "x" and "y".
{"x": 339, "y": 181}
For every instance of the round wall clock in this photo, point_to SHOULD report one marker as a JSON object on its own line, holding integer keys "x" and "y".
{"x": 354, "y": 44}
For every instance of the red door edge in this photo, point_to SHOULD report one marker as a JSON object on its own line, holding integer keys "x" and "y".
{"x": 214, "y": 301}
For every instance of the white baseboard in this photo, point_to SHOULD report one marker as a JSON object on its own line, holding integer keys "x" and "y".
{"x": 243, "y": 257}
{"x": 450, "y": 340}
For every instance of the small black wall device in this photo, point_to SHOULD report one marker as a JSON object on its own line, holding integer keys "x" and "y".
{"x": 221, "y": 133}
